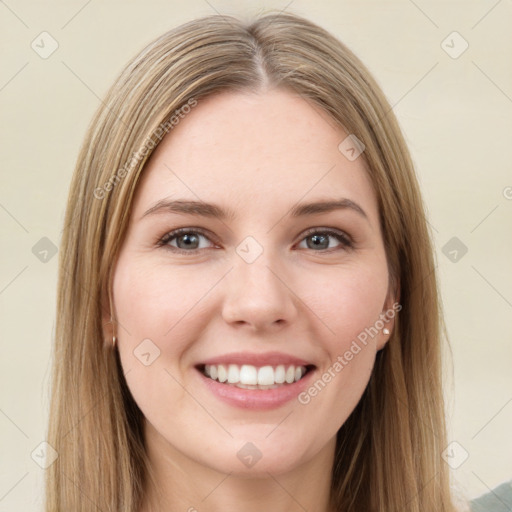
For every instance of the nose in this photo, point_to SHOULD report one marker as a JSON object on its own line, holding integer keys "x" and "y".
{"x": 259, "y": 296}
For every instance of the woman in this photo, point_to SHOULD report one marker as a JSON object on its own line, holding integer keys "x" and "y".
{"x": 248, "y": 314}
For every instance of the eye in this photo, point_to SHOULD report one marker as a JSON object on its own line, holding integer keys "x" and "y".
{"x": 189, "y": 240}
{"x": 320, "y": 239}
{"x": 184, "y": 240}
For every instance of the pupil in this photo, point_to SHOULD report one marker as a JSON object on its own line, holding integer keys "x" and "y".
{"x": 317, "y": 241}
{"x": 188, "y": 239}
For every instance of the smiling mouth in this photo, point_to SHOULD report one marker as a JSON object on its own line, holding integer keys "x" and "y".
{"x": 247, "y": 376}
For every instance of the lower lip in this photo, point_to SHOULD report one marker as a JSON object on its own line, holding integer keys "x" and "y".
{"x": 256, "y": 399}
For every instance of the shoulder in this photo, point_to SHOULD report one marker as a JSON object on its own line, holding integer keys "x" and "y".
{"x": 498, "y": 500}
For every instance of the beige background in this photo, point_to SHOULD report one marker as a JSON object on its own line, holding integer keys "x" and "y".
{"x": 456, "y": 114}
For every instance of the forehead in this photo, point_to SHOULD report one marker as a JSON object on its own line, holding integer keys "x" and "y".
{"x": 258, "y": 150}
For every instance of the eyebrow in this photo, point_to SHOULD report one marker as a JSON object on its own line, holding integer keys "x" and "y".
{"x": 189, "y": 207}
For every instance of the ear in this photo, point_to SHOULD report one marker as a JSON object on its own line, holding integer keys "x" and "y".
{"x": 390, "y": 310}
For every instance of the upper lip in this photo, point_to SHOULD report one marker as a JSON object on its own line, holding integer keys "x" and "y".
{"x": 255, "y": 359}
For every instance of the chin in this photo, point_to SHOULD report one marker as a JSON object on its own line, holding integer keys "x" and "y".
{"x": 256, "y": 457}
{"x": 274, "y": 464}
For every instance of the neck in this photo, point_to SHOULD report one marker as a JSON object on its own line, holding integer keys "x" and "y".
{"x": 180, "y": 483}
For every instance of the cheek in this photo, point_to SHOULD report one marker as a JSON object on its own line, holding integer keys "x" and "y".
{"x": 155, "y": 310}
{"x": 150, "y": 300}
{"x": 348, "y": 300}
{"x": 166, "y": 306}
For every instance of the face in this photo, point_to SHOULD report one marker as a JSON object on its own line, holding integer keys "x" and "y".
{"x": 253, "y": 283}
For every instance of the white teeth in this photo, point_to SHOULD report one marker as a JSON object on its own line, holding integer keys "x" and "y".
{"x": 222, "y": 374}
{"x": 265, "y": 376}
{"x": 233, "y": 374}
{"x": 250, "y": 377}
{"x": 290, "y": 374}
{"x": 248, "y": 374}
{"x": 279, "y": 374}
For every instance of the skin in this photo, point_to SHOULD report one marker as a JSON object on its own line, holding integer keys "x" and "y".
{"x": 257, "y": 154}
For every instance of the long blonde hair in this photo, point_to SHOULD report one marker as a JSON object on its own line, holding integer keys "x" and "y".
{"x": 388, "y": 452}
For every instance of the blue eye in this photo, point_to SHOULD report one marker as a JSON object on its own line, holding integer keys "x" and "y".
{"x": 187, "y": 240}
{"x": 321, "y": 239}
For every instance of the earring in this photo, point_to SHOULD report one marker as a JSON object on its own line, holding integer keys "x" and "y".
{"x": 114, "y": 341}
{"x": 385, "y": 331}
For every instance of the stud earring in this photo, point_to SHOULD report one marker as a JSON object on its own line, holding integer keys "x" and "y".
{"x": 385, "y": 331}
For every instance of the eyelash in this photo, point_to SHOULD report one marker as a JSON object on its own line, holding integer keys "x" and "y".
{"x": 345, "y": 241}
